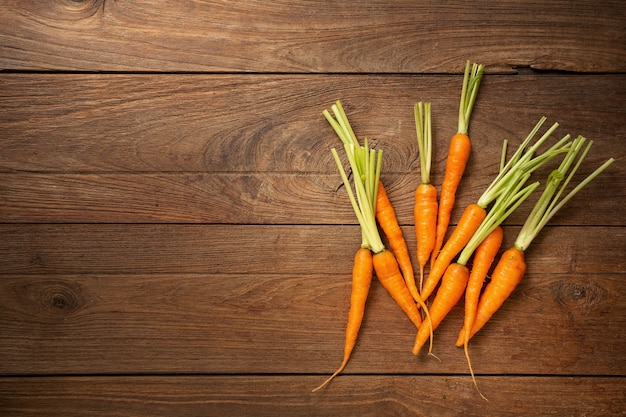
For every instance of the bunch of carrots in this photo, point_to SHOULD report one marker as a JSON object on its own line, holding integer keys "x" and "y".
{"x": 477, "y": 236}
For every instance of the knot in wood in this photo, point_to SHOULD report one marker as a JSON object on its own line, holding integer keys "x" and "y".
{"x": 61, "y": 299}
{"x": 581, "y": 295}
{"x": 53, "y": 298}
{"x": 78, "y": 9}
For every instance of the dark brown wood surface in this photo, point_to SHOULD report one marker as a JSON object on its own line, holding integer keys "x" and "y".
{"x": 175, "y": 238}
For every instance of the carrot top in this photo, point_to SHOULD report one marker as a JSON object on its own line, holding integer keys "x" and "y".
{"x": 524, "y": 161}
{"x": 424, "y": 139}
{"x": 547, "y": 206}
{"x": 365, "y": 164}
{"x": 471, "y": 81}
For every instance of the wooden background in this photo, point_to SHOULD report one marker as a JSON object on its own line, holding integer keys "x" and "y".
{"x": 176, "y": 240}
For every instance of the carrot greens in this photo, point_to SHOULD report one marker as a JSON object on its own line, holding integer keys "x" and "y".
{"x": 547, "y": 206}
{"x": 365, "y": 164}
{"x": 471, "y": 81}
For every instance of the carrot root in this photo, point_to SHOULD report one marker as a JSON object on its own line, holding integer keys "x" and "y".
{"x": 505, "y": 278}
{"x": 425, "y": 214}
{"x": 362, "y": 272}
{"x": 458, "y": 155}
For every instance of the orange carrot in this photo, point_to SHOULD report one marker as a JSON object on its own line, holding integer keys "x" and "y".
{"x": 449, "y": 293}
{"x": 511, "y": 267}
{"x": 425, "y": 213}
{"x": 458, "y": 153}
{"x": 389, "y": 275}
{"x": 386, "y": 216}
{"x": 505, "y": 278}
{"x": 361, "y": 279}
{"x": 425, "y": 209}
{"x": 468, "y": 224}
{"x": 483, "y": 258}
{"x": 366, "y": 170}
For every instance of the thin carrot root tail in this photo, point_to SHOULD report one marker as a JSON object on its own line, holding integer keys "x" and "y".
{"x": 330, "y": 378}
{"x": 469, "y": 363}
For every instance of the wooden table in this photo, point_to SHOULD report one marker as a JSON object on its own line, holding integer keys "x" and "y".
{"x": 176, "y": 239}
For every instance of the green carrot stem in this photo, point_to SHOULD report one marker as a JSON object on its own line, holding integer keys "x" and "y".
{"x": 546, "y": 207}
{"x": 524, "y": 159}
{"x": 471, "y": 81}
{"x": 424, "y": 138}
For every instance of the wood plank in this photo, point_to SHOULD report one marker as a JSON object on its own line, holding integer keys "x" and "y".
{"x": 103, "y": 123}
{"x": 292, "y": 36}
{"x": 287, "y": 395}
{"x": 256, "y": 249}
{"x": 267, "y": 198}
{"x": 555, "y": 323}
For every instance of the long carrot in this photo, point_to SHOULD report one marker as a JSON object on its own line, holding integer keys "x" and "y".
{"x": 365, "y": 164}
{"x": 483, "y": 258}
{"x": 458, "y": 152}
{"x": 425, "y": 209}
{"x": 386, "y": 217}
{"x": 515, "y": 172}
{"x": 512, "y": 265}
{"x": 361, "y": 280}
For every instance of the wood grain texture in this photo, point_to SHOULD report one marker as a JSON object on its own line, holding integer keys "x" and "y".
{"x": 268, "y": 198}
{"x": 313, "y": 36}
{"x": 350, "y": 395}
{"x": 176, "y": 240}
{"x": 180, "y": 323}
{"x": 148, "y": 248}
{"x": 105, "y": 123}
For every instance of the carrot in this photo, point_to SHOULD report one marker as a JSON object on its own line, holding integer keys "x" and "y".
{"x": 505, "y": 278}
{"x": 458, "y": 152}
{"x": 389, "y": 275}
{"x": 451, "y": 290}
{"x": 365, "y": 164}
{"x": 361, "y": 280}
{"x": 512, "y": 174}
{"x": 425, "y": 209}
{"x": 483, "y": 258}
{"x": 512, "y": 265}
{"x": 386, "y": 217}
